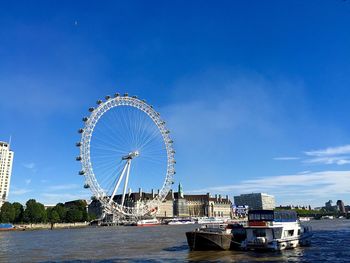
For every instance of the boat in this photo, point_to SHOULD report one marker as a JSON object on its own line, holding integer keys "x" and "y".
{"x": 148, "y": 222}
{"x": 211, "y": 220}
{"x": 177, "y": 221}
{"x": 216, "y": 237}
{"x": 6, "y": 227}
{"x": 275, "y": 230}
{"x": 304, "y": 219}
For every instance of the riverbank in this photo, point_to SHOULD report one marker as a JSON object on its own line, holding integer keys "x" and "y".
{"x": 48, "y": 226}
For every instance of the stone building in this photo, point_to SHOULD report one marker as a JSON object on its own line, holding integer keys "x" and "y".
{"x": 176, "y": 204}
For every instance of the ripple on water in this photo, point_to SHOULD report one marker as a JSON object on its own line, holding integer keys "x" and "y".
{"x": 159, "y": 244}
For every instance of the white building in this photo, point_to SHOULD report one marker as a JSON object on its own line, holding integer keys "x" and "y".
{"x": 255, "y": 201}
{"x": 6, "y": 158}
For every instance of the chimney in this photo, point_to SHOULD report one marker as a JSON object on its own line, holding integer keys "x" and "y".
{"x": 216, "y": 197}
{"x": 227, "y": 198}
{"x": 152, "y": 193}
{"x": 219, "y": 198}
{"x": 140, "y": 192}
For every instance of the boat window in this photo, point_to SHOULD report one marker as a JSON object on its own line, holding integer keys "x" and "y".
{"x": 259, "y": 232}
{"x": 288, "y": 233}
{"x": 277, "y": 233}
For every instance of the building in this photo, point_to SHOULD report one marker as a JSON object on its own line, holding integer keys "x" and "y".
{"x": 341, "y": 206}
{"x": 6, "y": 159}
{"x": 176, "y": 204}
{"x": 255, "y": 201}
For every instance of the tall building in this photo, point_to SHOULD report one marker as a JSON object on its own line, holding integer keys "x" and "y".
{"x": 6, "y": 158}
{"x": 255, "y": 201}
{"x": 341, "y": 206}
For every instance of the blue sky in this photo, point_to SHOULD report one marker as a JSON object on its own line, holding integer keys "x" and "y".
{"x": 255, "y": 92}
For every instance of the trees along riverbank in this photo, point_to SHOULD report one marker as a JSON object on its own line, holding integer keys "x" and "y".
{"x": 35, "y": 213}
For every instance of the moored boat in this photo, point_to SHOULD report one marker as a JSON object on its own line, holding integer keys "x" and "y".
{"x": 6, "y": 227}
{"x": 275, "y": 230}
{"x": 148, "y": 222}
{"x": 176, "y": 221}
{"x": 216, "y": 237}
{"x": 211, "y": 220}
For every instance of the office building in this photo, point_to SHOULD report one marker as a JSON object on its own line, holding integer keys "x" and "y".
{"x": 255, "y": 201}
{"x": 6, "y": 158}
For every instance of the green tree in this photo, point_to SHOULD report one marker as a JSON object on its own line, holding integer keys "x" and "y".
{"x": 35, "y": 212}
{"x": 61, "y": 210}
{"x": 74, "y": 215}
{"x": 52, "y": 216}
{"x": 7, "y": 213}
{"x": 18, "y": 212}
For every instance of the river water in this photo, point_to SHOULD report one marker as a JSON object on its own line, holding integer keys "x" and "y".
{"x": 160, "y": 244}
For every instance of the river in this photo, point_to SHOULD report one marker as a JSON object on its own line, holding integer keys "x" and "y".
{"x": 159, "y": 244}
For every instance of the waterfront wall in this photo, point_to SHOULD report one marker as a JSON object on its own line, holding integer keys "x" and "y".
{"x": 48, "y": 225}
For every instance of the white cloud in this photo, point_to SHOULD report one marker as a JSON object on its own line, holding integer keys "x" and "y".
{"x": 328, "y": 160}
{"x": 330, "y": 151}
{"x": 28, "y": 181}
{"x": 29, "y": 165}
{"x": 18, "y": 191}
{"x": 287, "y": 158}
{"x": 64, "y": 187}
{"x": 54, "y": 198}
{"x": 305, "y": 186}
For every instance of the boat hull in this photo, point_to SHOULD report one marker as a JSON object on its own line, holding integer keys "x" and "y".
{"x": 208, "y": 241}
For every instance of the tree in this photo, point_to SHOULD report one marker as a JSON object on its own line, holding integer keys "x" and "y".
{"x": 18, "y": 212}
{"x": 53, "y": 216}
{"x": 7, "y": 213}
{"x": 61, "y": 210}
{"x": 35, "y": 212}
{"x": 74, "y": 215}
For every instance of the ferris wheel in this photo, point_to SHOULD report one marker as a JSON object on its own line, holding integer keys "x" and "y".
{"x": 125, "y": 139}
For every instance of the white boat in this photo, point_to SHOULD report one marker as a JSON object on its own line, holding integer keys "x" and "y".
{"x": 327, "y": 217}
{"x": 211, "y": 220}
{"x": 275, "y": 230}
{"x": 148, "y": 222}
{"x": 304, "y": 219}
{"x": 177, "y": 221}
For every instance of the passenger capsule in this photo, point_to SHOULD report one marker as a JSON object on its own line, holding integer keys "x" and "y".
{"x": 173, "y": 151}
{"x": 171, "y": 141}
{"x": 134, "y": 97}
{"x": 85, "y": 119}
{"x": 78, "y": 158}
{"x": 81, "y": 130}
{"x": 78, "y": 144}
{"x": 107, "y": 97}
{"x": 91, "y": 109}
{"x": 99, "y": 102}
{"x": 86, "y": 186}
{"x": 126, "y": 94}
{"x": 167, "y": 132}
{"x": 116, "y": 95}
{"x": 81, "y": 172}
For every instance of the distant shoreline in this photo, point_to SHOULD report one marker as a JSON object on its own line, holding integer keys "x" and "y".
{"x": 23, "y": 227}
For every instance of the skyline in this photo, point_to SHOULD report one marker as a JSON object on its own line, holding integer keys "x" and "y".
{"x": 255, "y": 99}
